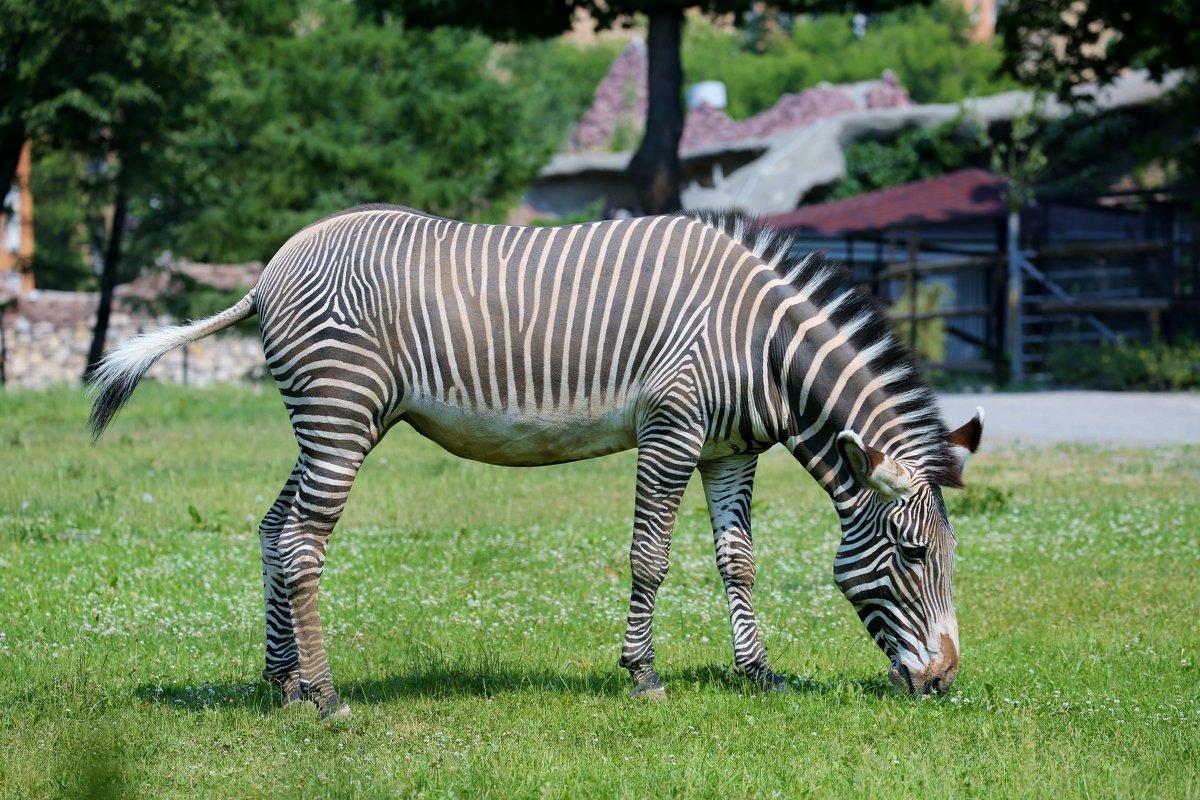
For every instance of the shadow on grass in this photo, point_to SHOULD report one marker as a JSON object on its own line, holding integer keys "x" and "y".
{"x": 842, "y": 686}
{"x": 485, "y": 677}
{"x": 489, "y": 676}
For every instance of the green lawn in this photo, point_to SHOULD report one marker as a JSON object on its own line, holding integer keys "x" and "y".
{"x": 474, "y": 615}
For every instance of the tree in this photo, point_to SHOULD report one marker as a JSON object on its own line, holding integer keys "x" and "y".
{"x": 654, "y": 169}
{"x": 1057, "y": 45}
{"x": 109, "y": 80}
{"x": 926, "y": 47}
{"x": 1060, "y": 45}
{"x": 336, "y": 112}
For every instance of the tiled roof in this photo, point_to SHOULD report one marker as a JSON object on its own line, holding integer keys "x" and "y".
{"x": 705, "y": 126}
{"x": 153, "y": 283}
{"x": 620, "y": 105}
{"x": 620, "y": 101}
{"x": 968, "y": 193}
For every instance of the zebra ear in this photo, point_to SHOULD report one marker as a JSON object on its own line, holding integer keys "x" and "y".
{"x": 965, "y": 441}
{"x": 874, "y": 469}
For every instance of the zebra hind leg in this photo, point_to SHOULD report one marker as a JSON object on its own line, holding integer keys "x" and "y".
{"x": 282, "y": 661}
{"x": 666, "y": 459}
{"x": 321, "y": 495}
{"x": 728, "y": 484}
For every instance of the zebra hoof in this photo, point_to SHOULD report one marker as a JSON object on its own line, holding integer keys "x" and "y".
{"x": 289, "y": 685}
{"x": 337, "y": 713}
{"x": 777, "y": 685}
{"x": 767, "y": 680}
{"x": 649, "y": 691}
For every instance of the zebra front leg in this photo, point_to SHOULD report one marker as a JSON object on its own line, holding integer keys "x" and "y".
{"x": 728, "y": 485}
{"x": 665, "y": 462}
{"x": 282, "y": 662}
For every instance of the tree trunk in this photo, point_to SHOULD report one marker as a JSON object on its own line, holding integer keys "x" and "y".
{"x": 12, "y": 135}
{"x": 12, "y": 141}
{"x": 108, "y": 281}
{"x": 654, "y": 169}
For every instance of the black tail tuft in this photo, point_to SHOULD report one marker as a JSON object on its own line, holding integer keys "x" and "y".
{"x": 111, "y": 392}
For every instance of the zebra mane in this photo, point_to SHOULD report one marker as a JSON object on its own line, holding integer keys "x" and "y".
{"x": 857, "y": 310}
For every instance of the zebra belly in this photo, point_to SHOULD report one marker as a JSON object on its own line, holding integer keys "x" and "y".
{"x": 523, "y": 440}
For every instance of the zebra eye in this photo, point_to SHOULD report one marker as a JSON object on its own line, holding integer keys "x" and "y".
{"x": 913, "y": 552}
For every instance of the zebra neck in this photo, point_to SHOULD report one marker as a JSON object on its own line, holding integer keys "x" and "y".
{"x": 827, "y": 386}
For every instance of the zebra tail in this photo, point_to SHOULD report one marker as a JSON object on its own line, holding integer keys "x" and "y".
{"x": 118, "y": 373}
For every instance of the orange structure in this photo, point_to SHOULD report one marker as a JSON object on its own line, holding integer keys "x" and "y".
{"x": 16, "y": 231}
{"x": 982, "y": 14}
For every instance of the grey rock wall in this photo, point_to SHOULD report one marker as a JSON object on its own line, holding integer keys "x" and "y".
{"x": 47, "y": 335}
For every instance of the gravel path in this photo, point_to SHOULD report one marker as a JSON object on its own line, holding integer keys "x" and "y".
{"x": 1133, "y": 418}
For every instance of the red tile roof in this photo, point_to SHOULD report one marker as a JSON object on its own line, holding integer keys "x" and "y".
{"x": 620, "y": 105}
{"x": 966, "y": 194}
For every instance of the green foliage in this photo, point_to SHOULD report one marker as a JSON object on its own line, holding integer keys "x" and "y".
{"x": 1021, "y": 158}
{"x": 1058, "y": 45}
{"x": 523, "y": 19}
{"x": 591, "y": 213}
{"x": 109, "y": 82}
{"x": 913, "y": 155}
{"x": 926, "y": 337}
{"x": 978, "y": 500}
{"x": 339, "y": 113}
{"x": 109, "y": 78}
{"x": 1086, "y": 152}
{"x": 60, "y": 253}
{"x": 926, "y": 47}
{"x": 556, "y": 80}
{"x": 1155, "y": 366}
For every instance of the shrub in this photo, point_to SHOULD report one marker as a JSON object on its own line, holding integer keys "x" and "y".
{"x": 926, "y": 47}
{"x": 930, "y": 339}
{"x": 978, "y": 501}
{"x": 1155, "y": 366}
{"x": 914, "y": 155}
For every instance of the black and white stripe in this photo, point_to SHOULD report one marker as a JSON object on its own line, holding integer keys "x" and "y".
{"x": 699, "y": 341}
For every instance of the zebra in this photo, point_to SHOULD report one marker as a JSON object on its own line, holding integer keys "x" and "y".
{"x": 699, "y": 340}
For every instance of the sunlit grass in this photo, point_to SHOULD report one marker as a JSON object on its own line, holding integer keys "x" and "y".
{"x": 474, "y": 616}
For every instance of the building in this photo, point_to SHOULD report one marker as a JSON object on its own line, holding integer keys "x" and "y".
{"x": 1120, "y": 266}
{"x": 771, "y": 163}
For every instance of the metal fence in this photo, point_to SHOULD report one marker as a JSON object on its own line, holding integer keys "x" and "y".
{"x": 1117, "y": 267}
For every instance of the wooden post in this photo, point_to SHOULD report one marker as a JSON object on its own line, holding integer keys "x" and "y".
{"x": 914, "y": 246}
{"x": 3, "y": 348}
{"x": 1016, "y": 343}
{"x": 891, "y": 257}
{"x": 877, "y": 269}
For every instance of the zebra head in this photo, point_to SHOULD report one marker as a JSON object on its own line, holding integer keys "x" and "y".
{"x": 896, "y": 559}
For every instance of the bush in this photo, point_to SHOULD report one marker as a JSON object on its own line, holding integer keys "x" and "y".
{"x": 978, "y": 501}
{"x": 914, "y": 155}
{"x": 926, "y": 47}
{"x": 1149, "y": 367}
{"x": 930, "y": 338}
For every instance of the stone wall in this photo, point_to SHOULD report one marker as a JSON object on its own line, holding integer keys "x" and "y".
{"x": 47, "y": 335}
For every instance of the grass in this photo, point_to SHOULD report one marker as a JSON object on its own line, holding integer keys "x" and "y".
{"x": 474, "y": 614}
